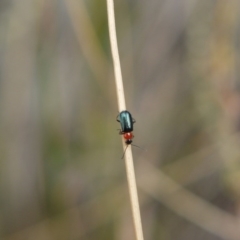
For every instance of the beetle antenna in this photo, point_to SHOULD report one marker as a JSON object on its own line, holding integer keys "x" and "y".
{"x": 124, "y": 152}
{"x": 137, "y": 146}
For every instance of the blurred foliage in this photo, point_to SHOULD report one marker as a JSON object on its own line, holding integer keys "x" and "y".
{"x": 61, "y": 171}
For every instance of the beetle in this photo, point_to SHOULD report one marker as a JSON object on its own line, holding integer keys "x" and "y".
{"x": 126, "y": 121}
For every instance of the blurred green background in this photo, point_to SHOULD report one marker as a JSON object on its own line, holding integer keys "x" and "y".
{"x": 61, "y": 172}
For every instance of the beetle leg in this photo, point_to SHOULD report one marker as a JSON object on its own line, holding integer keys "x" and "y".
{"x": 120, "y": 132}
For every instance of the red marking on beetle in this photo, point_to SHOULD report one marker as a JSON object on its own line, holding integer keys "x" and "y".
{"x": 128, "y": 136}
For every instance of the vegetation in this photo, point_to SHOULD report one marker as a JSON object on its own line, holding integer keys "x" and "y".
{"x": 61, "y": 172}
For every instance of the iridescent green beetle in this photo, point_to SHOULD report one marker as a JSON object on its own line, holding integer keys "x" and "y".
{"x": 126, "y": 121}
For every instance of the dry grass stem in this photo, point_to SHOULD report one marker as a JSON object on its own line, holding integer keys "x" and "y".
{"x": 122, "y": 106}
